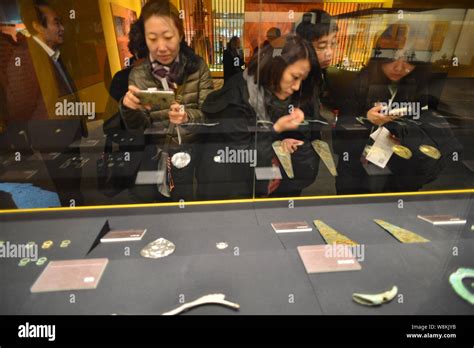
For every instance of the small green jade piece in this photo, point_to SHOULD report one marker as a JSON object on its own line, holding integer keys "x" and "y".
{"x": 456, "y": 281}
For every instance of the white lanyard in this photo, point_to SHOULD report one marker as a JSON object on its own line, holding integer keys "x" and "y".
{"x": 166, "y": 87}
{"x": 393, "y": 92}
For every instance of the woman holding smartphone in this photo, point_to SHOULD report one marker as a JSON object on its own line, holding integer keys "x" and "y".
{"x": 171, "y": 65}
{"x": 399, "y": 73}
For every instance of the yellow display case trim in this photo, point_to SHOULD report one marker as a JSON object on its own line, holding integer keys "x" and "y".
{"x": 233, "y": 201}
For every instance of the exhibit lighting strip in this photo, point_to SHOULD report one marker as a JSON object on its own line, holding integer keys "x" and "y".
{"x": 234, "y": 201}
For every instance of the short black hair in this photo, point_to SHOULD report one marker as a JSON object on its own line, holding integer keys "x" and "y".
{"x": 276, "y": 30}
{"x": 30, "y": 11}
{"x": 316, "y": 24}
{"x": 270, "y": 63}
{"x": 136, "y": 44}
{"x": 232, "y": 40}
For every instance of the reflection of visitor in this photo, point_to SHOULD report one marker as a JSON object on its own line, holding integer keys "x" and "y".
{"x": 119, "y": 84}
{"x": 233, "y": 58}
{"x": 393, "y": 77}
{"x": 36, "y": 87}
{"x": 272, "y": 34}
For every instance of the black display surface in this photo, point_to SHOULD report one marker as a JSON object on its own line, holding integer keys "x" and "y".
{"x": 260, "y": 270}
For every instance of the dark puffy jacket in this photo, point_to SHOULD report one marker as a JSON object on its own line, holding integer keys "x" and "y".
{"x": 237, "y": 130}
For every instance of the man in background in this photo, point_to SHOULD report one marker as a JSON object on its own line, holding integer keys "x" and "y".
{"x": 36, "y": 80}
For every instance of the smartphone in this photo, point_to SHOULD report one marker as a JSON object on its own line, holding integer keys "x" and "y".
{"x": 163, "y": 99}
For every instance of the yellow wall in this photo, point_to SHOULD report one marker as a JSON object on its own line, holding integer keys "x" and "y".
{"x": 175, "y": 3}
{"x": 109, "y": 31}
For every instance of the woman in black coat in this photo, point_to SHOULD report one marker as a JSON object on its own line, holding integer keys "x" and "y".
{"x": 252, "y": 113}
{"x": 393, "y": 79}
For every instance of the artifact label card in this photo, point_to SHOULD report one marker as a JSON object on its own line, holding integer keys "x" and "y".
{"x": 442, "y": 219}
{"x": 328, "y": 258}
{"x": 289, "y": 227}
{"x": 70, "y": 275}
{"x": 123, "y": 236}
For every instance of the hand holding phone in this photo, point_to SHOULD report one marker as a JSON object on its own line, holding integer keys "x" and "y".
{"x": 131, "y": 100}
{"x": 137, "y": 99}
{"x": 177, "y": 114}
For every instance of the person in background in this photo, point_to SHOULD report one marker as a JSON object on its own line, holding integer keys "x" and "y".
{"x": 275, "y": 103}
{"x": 233, "y": 58}
{"x": 34, "y": 89}
{"x": 119, "y": 85}
{"x": 272, "y": 35}
{"x": 170, "y": 64}
{"x": 320, "y": 28}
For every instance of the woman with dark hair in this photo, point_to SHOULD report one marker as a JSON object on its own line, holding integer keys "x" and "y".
{"x": 233, "y": 59}
{"x": 269, "y": 96}
{"x": 391, "y": 96}
{"x": 170, "y": 64}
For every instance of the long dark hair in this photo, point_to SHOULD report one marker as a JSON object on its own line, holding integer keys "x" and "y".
{"x": 163, "y": 9}
{"x": 268, "y": 65}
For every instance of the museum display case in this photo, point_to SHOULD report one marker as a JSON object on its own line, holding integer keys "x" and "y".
{"x": 247, "y": 157}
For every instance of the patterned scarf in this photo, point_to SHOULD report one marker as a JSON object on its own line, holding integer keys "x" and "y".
{"x": 169, "y": 73}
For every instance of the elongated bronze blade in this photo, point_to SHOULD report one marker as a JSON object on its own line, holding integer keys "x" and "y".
{"x": 322, "y": 149}
{"x": 284, "y": 158}
{"x": 331, "y": 236}
{"x": 403, "y": 235}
